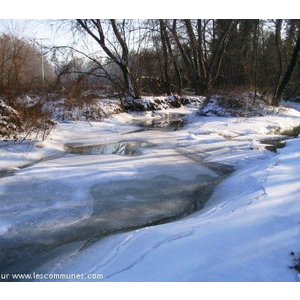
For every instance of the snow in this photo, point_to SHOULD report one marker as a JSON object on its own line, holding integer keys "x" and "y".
{"x": 64, "y": 111}
{"x": 245, "y": 232}
{"x": 6, "y": 108}
{"x": 163, "y": 102}
{"x": 291, "y": 104}
{"x": 9, "y": 120}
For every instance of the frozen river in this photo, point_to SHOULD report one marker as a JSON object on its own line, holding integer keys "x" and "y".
{"x": 100, "y": 184}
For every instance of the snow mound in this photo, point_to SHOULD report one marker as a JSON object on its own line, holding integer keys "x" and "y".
{"x": 238, "y": 106}
{"x": 95, "y": 111}
{"x": 163, "y": 102}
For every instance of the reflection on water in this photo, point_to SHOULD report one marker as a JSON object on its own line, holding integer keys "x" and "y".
{"x": 128, "y": 148}
{"x": 172, "y": 122}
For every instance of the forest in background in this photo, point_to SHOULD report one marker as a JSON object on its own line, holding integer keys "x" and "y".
{"x": 134, "y": 58}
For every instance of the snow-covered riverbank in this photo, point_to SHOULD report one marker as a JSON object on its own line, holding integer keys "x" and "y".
{"x": 245, "y": 232}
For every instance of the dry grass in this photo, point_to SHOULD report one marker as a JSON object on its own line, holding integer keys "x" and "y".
{"x": 32, "y": 121}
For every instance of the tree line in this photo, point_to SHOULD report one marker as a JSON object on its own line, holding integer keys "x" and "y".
{"x": 20, "y": 64}
{"x": 158, "y": 56}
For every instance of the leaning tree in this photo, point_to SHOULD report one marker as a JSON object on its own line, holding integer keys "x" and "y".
{"x": 116, "y": 48}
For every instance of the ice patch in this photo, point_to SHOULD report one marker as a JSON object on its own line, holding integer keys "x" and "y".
{"x": 4, "y": 227}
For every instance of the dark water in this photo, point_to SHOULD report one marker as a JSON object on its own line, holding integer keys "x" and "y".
{"x": 118, "y": 206}
{"x": 127, "y": 148}
{"x": 273, "y": 144}
{"x": 171, "y": 122}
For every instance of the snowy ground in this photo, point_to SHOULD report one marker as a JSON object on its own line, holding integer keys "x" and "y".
{"x": 245, "y": 232}
{"x": 291, "y": 104}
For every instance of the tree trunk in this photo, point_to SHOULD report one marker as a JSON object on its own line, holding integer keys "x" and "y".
{"x": 165, "y": 58}
{"x": 201, "y": 55}
{"x": 278, "y": 27}
{"x": 215, "y": 63}
{"x": 255, "y": 51}
{"x": 287, "y": 76}
{"x": 176, "y": 68}
{"x": 188, "y": 64}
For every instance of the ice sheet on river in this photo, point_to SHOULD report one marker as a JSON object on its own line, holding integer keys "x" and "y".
{"x": 73, "y": 198}
{"x": 244, "y": 233}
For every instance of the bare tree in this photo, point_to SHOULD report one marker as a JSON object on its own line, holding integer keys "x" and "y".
{"x": 118, "y": 54}
{"x": 20, "y": 64}
{"x": 203, "y": 67}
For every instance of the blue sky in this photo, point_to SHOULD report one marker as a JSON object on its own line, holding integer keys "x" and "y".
{"x": 54, "y": 32}
{"x": 38, "y": 28}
